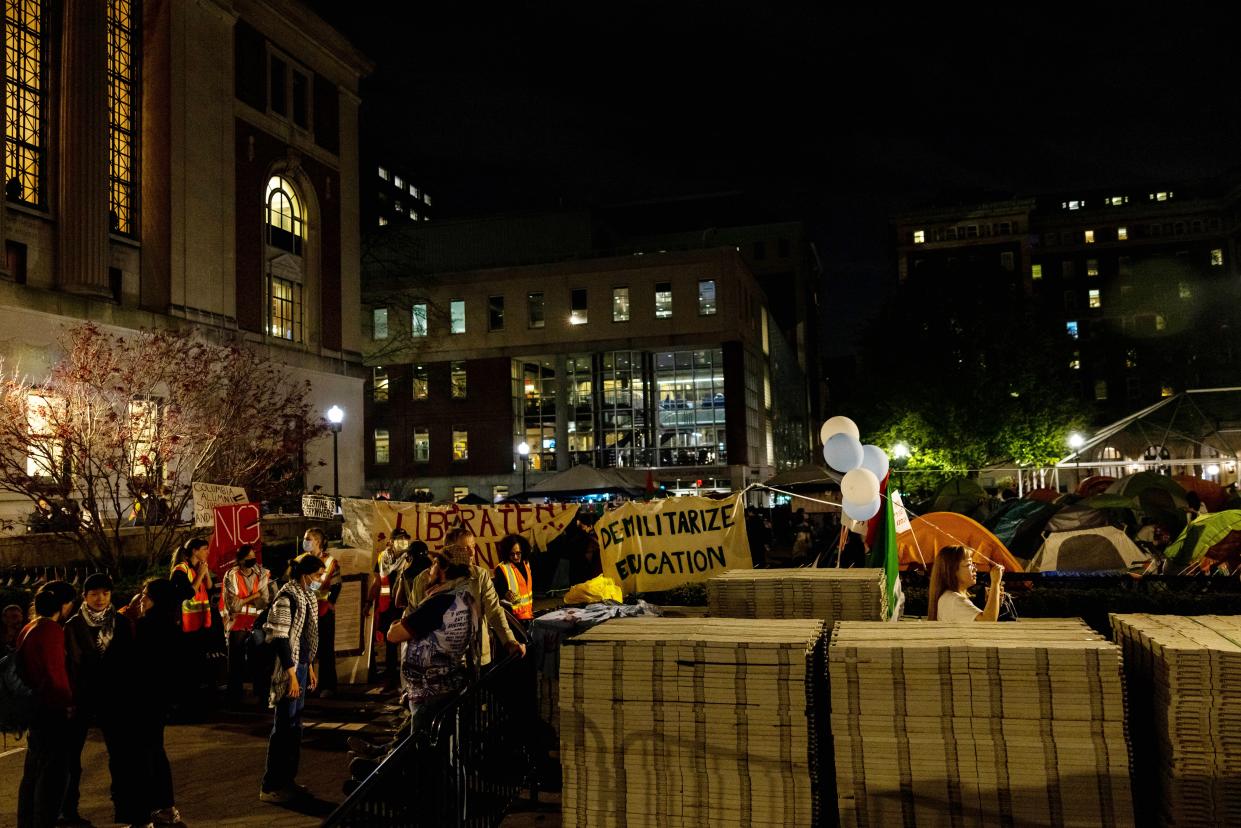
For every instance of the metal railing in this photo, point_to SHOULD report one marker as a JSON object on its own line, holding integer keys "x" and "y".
{"x": 465, "y": 767}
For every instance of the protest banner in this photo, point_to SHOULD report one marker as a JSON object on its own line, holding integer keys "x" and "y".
{"x": 318, "y": 506}
{"x": 428, "y": 523}
{"x": 359, "y": 515}
{"x": 209, "y": 495}
{"x": 234, "y": 525}
{"x": 647, "y": 547}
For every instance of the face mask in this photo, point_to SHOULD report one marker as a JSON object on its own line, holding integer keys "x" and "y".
{"x": 248, "y": 565}
{"x": 401, "y": 545}
{"x": 308, "y": 545}
{"x": 315, "y": 585}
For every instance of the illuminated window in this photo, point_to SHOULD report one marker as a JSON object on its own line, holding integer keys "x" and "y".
{"x": 456, "y": 316}
{"x": 286, "y": 223}
{"x": 1073, "y": 205}
{"x": 1217, "y": 257}
{"x": 285, "y": 309}
{"x": 286, "y": 231}
{"x": 379, "y": 384}
{"x": 1116, "y": 201}
{"x": 663, "y": 300}
{"x": 919, "y": 237}
{"x": 381, "y": 446}
{"x": 383, "y": 173}
{"x": 379, "y": 323}
{"x": 1122, "y": 233}
{"x": 706, "y": 297}
{"x": 1071, "y": 329}
{"x": 422, "y": 446}
{"x": 766, "y": 334}
{"x": 1160, "y": 196}
{"x": 495, "y": 313}
{"x": 45, "y": 454}
{"x": 1092, "y": 267}
{"x": 1094, "y": 299}
{"x": 383, "y": 222}
{"x": 620, "y": 304}
{"x": 1036, "y": 271}
{"x": 121, "y": 167}
{"x": 1165, "y": 391}
{"x": 24, "y": 61}
{"x": 413, "y": 190}
{"x": 460, "y": 444}
{"x": 766, "y": 388}
{"x": 1076, "y": 362}
{"x": 427, "y": 198}
{"x": 1185, "y": 291}
{"x": 398, "y": 182}
{"x": 396, "y": 205}
{"x": 1100, "y": 390}
{"x": 534, "y": 310}
{"x": 579, "y": 312}
{"x": 421, "y": 383}
{"x": 413, "y": 214}
{"x": 418, "y": 320}
{"x": 1089, "y": 237}
{"x": 459, "y": 493}
{"x": 458, "y": 380}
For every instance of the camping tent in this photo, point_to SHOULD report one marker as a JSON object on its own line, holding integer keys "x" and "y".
{"x": 1138, "y": 485}
{"x": 1018, "y": 524}
{"x": 963, "y": 496}
{"x": 1075, "y": 517}
{"x": 1212, "y": 494}
{"x": 1094, "y": 485}
{"x": 933, "y": 531}
{"x": 584, "y": 480}
{"x": 1213, "y": 537}
{"x": 1099, "y": 549}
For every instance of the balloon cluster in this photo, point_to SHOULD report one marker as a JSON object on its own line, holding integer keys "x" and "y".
{"x": 863, "y": 467}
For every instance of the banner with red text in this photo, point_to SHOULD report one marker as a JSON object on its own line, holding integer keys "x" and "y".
{"x": 234, "y": 525}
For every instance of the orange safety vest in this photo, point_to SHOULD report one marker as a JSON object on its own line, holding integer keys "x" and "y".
{"x": 329, "y": 571}
{"x": 520, "y": 583}
{"x": 244, "y": 618}
{"x": 196, "y": 611}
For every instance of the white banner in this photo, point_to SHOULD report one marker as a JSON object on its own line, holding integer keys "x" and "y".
{"x": 209, "y": 495}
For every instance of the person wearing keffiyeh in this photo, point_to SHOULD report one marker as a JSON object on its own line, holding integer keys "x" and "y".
{"x": 97, "y": 642}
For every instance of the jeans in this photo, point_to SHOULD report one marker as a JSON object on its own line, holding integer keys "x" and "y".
{"x": 284, "y": 748}
{"x": 46, "y": 772}
{"x": 238, "y": 665}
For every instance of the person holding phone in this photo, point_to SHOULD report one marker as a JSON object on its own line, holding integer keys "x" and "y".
{"x": 952, "y": 576}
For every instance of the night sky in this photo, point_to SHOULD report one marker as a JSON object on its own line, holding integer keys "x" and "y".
{"x": 834, "y": 116}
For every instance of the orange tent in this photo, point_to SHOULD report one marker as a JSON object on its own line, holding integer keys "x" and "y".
{"x": 1094, "y": 485}
{"x": 935, "y": 530}
{"x": 1211, "y": 493}
{"x": 1043, "y": 495}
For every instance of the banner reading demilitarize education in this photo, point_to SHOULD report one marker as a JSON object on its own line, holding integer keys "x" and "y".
{"x": 647, "y": 547}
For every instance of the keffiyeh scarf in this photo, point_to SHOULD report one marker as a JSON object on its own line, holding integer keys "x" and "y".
{"x": 104, "y": 623}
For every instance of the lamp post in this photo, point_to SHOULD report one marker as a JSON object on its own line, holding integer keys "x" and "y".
{"x": 335, "y": 418}
{"x": 1076, "y": 441}
{"x": 900, "y": 453}
{"x": 523, "y": 448}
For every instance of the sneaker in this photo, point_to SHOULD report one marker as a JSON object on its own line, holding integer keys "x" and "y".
{"x": 167, "y": 816}
{"x": 278, "y": 797}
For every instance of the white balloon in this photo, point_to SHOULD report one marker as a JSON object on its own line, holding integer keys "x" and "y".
{"x": 842, "y": 452}
{"x": 838, "y": 425}
{"x": 876, "y": 460}
{"x": 864, "y": 512}
{"x": 859, "y": 487}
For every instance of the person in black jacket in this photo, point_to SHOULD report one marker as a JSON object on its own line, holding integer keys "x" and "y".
{"x": 97, "y": 643}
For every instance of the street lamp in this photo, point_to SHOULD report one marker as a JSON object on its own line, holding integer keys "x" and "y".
{"x": 523, "y": 448}
{"x": 1076, "y": 441}
{"x": 900, "y": 453}
{"x": 335, "y": 417}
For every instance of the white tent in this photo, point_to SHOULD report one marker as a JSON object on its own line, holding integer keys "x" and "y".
{"x": 1099, "y": 549}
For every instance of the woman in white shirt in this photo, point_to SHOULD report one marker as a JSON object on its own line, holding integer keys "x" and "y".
{"x": 951, "y": 578}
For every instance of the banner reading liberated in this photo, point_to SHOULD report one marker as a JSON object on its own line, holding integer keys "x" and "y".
{"x": 647, "y": 547}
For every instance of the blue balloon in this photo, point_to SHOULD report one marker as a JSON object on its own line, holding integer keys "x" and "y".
{"x": 843, "y": 452}
{"x": 875, "y": 460}
{"x": 864, "y": 512}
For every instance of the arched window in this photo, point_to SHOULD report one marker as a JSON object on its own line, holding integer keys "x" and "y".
{"x": 286, "y": 235}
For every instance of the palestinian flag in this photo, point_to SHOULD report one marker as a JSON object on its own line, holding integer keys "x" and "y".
{"x": 883, "y": 554}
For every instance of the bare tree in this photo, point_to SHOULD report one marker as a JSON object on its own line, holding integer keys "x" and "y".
{"x": 124, "y": 424}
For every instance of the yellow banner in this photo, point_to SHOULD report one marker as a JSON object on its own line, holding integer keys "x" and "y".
{"x": 539, "y": 524}
{"x": 648, "y": 547}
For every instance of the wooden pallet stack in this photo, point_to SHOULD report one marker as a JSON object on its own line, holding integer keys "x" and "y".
{"x": 694, "y": 722}
{"x": 978, "y": 724}
{"x": 1184, "y": 678}
{"x": 830, "y": 594}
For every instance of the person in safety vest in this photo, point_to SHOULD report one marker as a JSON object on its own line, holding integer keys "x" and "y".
{"x": 192, "y": 580}
{"x": 247, "y": 590}
{"x": 315, "y": 542}
{"x": 389, "y": 567}
{"x": 513, "y": 581}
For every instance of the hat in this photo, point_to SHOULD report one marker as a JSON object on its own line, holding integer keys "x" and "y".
{"x": 97, "y": 580}
{"x": 399, "y": 532}
{"x": 457, "y": 555}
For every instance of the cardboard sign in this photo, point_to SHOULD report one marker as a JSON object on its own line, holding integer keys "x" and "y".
{"x": 209, "y": 495}
{"x": 318, "y": 506}
{"x": 661, "y": 545}
{"x": 234, "y": 525}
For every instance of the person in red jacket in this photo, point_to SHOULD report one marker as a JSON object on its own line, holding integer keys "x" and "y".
{"x": 41, "y": 664}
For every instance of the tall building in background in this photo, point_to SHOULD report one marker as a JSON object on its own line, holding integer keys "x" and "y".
{"x": 190, "y": 166}
{"x": 391, "y": 194}
{"x": 1143, "y": 283}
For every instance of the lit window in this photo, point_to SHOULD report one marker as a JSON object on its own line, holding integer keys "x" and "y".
{"x": 456, "y": 316}
{"x": 121, "y": 167}
{"x": 620, "y": 304}
{"x": 285, "y": 309}
{"x": 286, "y": 224}
{"x": 413, "y": 214}
{"x": 495, "y": 313}
{"x": 1094, "y": 299}
{"x": 381, "y": 446}
{"x": 396, "y": 205}
{"x": 919, "y": 237}
{"x": 421, "y": 383}
{"x": 1217, "y": 257}
{"x": 398, "y": 182}
{"x": 379, "y": 384}
{"x": 1161, "y": 196}
{"x": 458, "y": 380}
{"x": 1185, "y": 291}
{"x": 1076, "y": 362}
{"x": 1071, "y": 329}
{"x": 383, "y": 222}
{"x": 460, "y": 444}
{"x": 766, "y": 335}
{"x": 534, "y": 310}
{"x": 1075, "y": 205}
{"x": 706, "y": 297}
{"x": 1100, "y": 390}
{"x": 1036, "y": 272}
{"x": 663, "y": 300}
{"x": 24, "y": 98}
{"x": 1122, "y": 233}
{"x": 45, "y": 455}
{"x": 427, "y": 198}
{"x": 766, "y": 388}
{"x": 579, "y": 314}
{"x": 379, "y": 323}
{"x": 1116, "y": 201}
{"x": 1092, "y": 267}
{"x": 383, "y": 173}
{"x": 413, "y": 190}
{"x": 1089, "y": 237}
{"x": 418, "y": 320}
{"x": 422, "y": 445}
{"x": 1166, "y": 391}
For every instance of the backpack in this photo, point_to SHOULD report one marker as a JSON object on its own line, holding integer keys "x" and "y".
{"x": 16, "y": 697}
{"x": 443, "y": 661}
{"x": 260, "y": 634}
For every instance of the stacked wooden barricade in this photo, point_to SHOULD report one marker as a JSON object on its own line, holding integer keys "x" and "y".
{"x": 829, "y": 594}
{"x": 978, "y": 724}
{"x": 694, "y": 722}
{"x": 1184, "y": 676}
